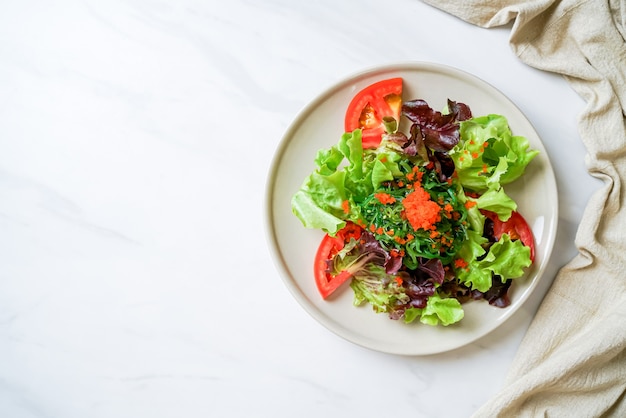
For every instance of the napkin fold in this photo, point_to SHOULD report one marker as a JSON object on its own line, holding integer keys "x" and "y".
{"x": 572, "y": 360}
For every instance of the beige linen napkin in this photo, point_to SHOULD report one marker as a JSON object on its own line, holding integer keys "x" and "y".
{"x": 572, "y": 361}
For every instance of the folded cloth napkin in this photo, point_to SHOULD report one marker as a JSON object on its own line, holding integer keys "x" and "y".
{"x": 572, "y": 360}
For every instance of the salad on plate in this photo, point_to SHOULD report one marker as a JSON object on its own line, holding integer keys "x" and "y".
{"x": 413, "y": 207}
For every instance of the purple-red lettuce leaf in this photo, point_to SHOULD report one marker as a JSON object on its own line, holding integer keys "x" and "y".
{"x": 433, "y": 268}
{"x": 355, "y": 256}
{"x": 444, "y": 165}
{"x": 439, "y": 131}
{"x": 417, "y": 142}
{"x": 419, "y": 291}
{"x": 461, "y": 111}
{"x": 498, "y": 295}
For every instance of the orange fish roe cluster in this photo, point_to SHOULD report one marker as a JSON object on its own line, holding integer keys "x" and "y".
{"x": 396, "y": 253}
{"x": 345, "y": 205}
{"x": 415, "y": 175}
{"x": 376, "y": 230}
{"x": 420, "y": 210}
{"x": 385, "y": 198}
{"x": 460, "y": 263}
{"x": 470, "y": 204}
{"x": 402, "y": 241}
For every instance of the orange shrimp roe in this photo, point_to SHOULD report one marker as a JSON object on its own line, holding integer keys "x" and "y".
{"x": 470, "y": 204}
{"x": 384, "y": 198}
{"x": 420, "y": 210}
{"x": 460, "y": 263}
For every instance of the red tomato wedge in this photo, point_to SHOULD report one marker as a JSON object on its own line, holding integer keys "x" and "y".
{"x": 368, "y": 108}
{"x": 517, "y": 228}
{"x": 329, "y": 247}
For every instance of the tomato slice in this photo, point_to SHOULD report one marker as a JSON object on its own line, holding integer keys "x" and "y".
{"x": 517, "y": 228}
{"x": 328, "y": 248}
{"x": 368, "y": 108}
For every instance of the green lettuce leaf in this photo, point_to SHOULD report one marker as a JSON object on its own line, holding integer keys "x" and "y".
{"x": 495, "y": 200}
{"x": 312, "y": 215}
{"x": 508, "y": 258}
{"x": 344, "y": 172}
{"x": 505, "y": 258}
{"x": 438, "y": 310}
{"x": 488, "y": 155}
{"x": 373, "y": 285}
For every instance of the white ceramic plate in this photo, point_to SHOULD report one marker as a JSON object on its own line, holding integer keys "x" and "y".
{"x": 320, "y": 125}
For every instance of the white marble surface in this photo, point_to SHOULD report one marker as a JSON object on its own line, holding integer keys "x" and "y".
{"x": 135, "y": 140}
